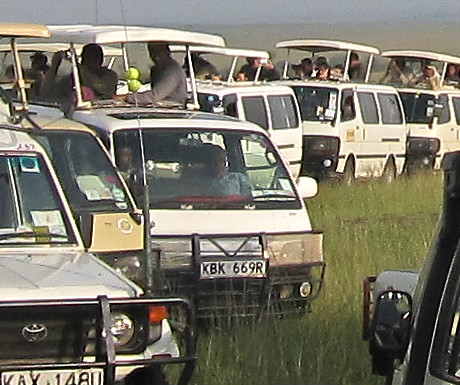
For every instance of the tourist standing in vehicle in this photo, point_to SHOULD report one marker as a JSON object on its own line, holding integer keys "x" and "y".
{"x": 267, "y": 69}
{"x": 355, "y": 69}
{"x": 97, "y": 81}
{"x": 398, "y": 73}
{"x": 167, "y": 78}
{"x": 432, "y": 79}
{"x": 452, "y": 76}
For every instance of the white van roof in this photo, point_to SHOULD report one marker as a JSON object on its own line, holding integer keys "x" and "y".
{"x": 23, "y": 30}
{"x": 54, "y": 47}
{"x": 423, "y": 55}
{"x": 318, "y": 45}
{"x": 110, "y": 34}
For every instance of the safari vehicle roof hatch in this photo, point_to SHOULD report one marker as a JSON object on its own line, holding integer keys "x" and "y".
{"x": 235, "y": 53}
{"x": 121, "y": 34}
{"x": 425, "y": 57}
{"x": 14, "y": 31}
{"x": 315, "y": 46}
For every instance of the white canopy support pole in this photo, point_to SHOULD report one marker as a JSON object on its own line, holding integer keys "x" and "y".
{"x": 444, "y": 72}
{"x": 191, "y": 74}
{"x": 125, "y": 56}
{"x": 19, "y": 75}
{"x": 231, "y": 73}
{"x": 369, "y": 68}
{"x": 345, "y": 75}
{"x": 76, "y": 77}
{"x": 286, "y": 65}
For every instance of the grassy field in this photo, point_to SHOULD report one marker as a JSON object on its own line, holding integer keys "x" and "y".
{"x": 368, "y": 227}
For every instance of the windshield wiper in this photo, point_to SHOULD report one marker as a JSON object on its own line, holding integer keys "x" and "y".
{"x": 274, "y": 195}
{"x": 32, "y": 234}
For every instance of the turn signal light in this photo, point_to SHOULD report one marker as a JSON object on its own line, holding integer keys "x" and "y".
{"x": 158, "y": 314}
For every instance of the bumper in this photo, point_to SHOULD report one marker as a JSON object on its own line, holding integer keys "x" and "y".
{"x": 320, "y": 157}
{"x": 78, "y": 340}
{"x": 292, "y": 278}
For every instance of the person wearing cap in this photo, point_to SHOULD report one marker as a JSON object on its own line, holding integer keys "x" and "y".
{"x": 39, "y": 68}
{"x": 303, "y": 70}
{"x": 167, "y": 78}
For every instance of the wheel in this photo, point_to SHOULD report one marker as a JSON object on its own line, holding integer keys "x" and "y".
{"x": 389, "y": 172}
{"x": 348, "y": 175}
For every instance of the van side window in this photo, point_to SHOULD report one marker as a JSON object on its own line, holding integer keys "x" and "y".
{"x": 230, "y": 105}
{"x": 347, "y": 108}
{"x": 254, "y": 109}
{"x": 389, "y": 106}
{"x": 456, "y": 102}
{"x": 445, "y": 115}
{"x": 282, "y": 111}
{"x": 368, "y": 107}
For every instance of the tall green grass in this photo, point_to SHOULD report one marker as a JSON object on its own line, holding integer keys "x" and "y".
{"x": 368, "y": 227}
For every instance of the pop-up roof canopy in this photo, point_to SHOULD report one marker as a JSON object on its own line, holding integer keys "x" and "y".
{"x": 425, "y": 57}
{"x": 12, "y": 30}
{"x": 21, "y": 30}
{"x": 235, "y": 53}
{"x": 314, "y": 45}
{"x": 121, "y": 34}
{"x": 111, "y": 34}
{"x": 318, "y": 45}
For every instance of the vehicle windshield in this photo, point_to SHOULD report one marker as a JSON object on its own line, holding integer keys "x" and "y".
{"x": 89, "y": 179}
{"x": 30, "y": 209}
{"x": 415, "y": 107}
{"x": 205, "y": 169}
{"x": 317, "y": 103}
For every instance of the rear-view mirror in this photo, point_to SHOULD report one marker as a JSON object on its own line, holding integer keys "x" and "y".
{"x": 307, "y": 187}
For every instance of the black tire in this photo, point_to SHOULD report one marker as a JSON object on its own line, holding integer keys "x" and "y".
{"x": 389, "y": 172}
{"x": 348, "y": 175}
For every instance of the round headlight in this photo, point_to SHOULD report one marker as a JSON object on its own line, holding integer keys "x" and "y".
{"x": 121, "y": 328}
{"x": 305, "y": 289}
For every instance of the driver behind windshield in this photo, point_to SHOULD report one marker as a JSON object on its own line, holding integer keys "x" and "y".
{"x": 221, "y": 181}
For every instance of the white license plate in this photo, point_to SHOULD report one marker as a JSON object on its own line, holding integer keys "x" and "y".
{"x": 93, "y": 376}
{"x": 253, "y": 268}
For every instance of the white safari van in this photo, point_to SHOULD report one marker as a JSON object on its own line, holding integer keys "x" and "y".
{"x": 66, "y": 314}
{"x": 232, "y": 232}
{"x": 272, "y": 107}
{"x": 432, "y": 115}
{"x": 228, "y": 224}
{"x": 414, "y": 337}
{"x": 350, "y": 129}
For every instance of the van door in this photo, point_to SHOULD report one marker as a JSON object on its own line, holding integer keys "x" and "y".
{"x": 371, "y": 157}
{"x": 255, "y": 111}
{"x": 350, "y": 128}
{"x": 392, "y": 131}
{"x": 447, "y": 128}
{"x": 286, "y": 129}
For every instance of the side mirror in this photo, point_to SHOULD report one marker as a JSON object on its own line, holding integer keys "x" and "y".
{"x": 307, "y": 187}
{"x": 390, "y": 329}
{"x": 433, "y": 109}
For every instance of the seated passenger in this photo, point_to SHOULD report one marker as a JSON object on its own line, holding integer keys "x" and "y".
{"x": 303, "y": 70}
{"x": 323, "y": 72}
{"x": 452, "y": 76}
{"x": 203, "y": 69}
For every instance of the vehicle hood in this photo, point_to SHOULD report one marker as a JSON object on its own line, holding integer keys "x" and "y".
{"x": 47, "y": 275}
{"x": 188, "y": 222}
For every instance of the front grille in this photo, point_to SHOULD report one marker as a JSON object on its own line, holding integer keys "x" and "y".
{"x": 38, "y": 333}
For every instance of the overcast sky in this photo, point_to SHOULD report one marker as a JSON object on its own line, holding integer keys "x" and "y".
{"x": 198, "y": 12}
